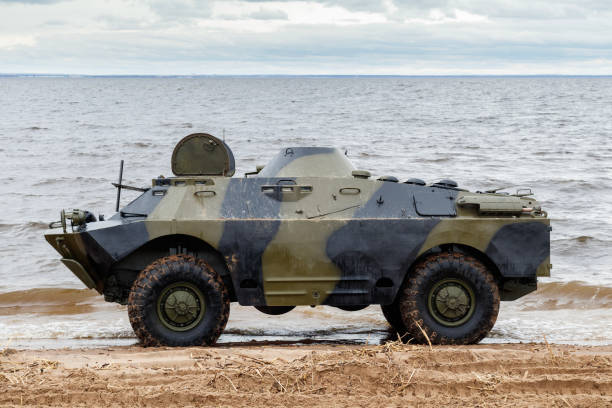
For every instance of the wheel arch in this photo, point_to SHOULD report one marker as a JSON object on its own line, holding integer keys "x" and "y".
{"x": 124, "y": 272}
{"x": 473, "y": 305}
{"x": 509, "y": 288}
{"x": 463, "y": 249}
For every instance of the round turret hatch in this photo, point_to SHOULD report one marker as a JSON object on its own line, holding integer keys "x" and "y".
{"x": 308, "y": 162}
{"x": 201, "y": 154}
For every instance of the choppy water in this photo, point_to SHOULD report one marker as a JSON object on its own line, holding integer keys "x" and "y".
{"x": 61, "y": 140}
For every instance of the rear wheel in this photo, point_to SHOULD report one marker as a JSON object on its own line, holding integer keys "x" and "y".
{"x": 178, "y": 301}
{"x": 450, "y": 298}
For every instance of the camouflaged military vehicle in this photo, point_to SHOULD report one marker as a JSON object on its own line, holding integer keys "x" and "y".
{"x": 306, "y": 229}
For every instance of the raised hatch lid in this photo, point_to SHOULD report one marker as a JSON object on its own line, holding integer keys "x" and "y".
{"x": 201, "y": 154}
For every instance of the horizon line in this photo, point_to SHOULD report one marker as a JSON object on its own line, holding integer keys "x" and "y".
{"x": 8, "y": 75}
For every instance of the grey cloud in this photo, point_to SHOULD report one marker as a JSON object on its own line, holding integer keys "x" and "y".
{"x": 541, "y": 9}
{"x": 32, "y": 1}
{"x": 55, "y": 23}
{"x": 121, "y": 23}
{"x": 539, "y": 36}
{"x": 180, "y": 9}
{"x": 355, "y": 5}
{"x": 268, "y": 14}
{"x": 261, "y": 14}
{"x": 302, "y": 44}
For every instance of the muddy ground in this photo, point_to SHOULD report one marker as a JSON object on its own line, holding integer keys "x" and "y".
{"x": 271, "y": 375}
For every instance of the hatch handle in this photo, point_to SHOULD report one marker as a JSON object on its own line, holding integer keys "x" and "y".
{"x": 205, "y": 193}
{"x": 350, "y": 190}
{"x": 286, "y": 181}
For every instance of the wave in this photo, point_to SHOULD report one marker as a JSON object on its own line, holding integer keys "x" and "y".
{"x": 582, "y": 239}
{"x": 36, "y": 128}
{"x": 569, "y": 295}
{"x": 90, "y": 153}
{"x": 579, "y": 245}
{"x": 437, "y": 160}
{"x": 49, "y": 301}
{"x": 30, "y": 225}
{"x": 138, "y": 144}
{"x": 63, "y": 301}
{"x": 95, "y": 126}
{"x": 185, "y": 125}
{"x": 123, "y": 334}
{"x": 71, "y": 180}
{"x": 579, "y": 187}
{"x": 46, "y": 296}
{"x": 575, "y": 289}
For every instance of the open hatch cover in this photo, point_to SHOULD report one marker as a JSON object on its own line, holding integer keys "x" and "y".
{"x": 201, "y": 154}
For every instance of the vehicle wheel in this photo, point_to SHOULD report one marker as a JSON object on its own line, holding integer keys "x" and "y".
{"x": 275, "y": 310}
{"x": 178, "y": 301}
{"x": 452, "y": 297}
{"x": 394, "y": 318}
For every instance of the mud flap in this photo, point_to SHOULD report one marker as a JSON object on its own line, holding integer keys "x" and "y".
{"x": 80, "y": 272}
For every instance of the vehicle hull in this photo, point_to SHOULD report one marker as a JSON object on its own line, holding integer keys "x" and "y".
{"x": 329, "y": 260}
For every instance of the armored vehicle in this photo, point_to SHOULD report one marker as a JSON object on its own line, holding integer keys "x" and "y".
{"x": 306, "y": 229}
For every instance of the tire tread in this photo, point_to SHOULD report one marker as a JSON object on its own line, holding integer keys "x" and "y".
{"x": 182, "y": 267}
{"x": 467, "y": 266}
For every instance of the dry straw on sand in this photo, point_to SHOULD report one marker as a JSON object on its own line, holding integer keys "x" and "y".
{"x": 390, "y": 374}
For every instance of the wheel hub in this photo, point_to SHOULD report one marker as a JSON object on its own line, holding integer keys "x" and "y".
{"x": 451, "y": 302}
{"x": 181, "y": 306}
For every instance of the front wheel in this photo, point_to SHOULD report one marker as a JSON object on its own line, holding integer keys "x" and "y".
{"x": 178, "y": 301}
{"x": 450, "y": 298}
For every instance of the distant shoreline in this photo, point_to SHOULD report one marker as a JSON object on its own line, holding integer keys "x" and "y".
{"x": 26, "y": 75}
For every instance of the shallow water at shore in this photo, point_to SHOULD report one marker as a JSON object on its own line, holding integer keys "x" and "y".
{"x": 56, "y": 318}
{"x": 61, "y": 140}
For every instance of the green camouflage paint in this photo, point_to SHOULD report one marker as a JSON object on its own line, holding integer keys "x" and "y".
{"x": 305, "y": 230}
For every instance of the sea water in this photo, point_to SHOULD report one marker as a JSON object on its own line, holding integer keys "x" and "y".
{"x": 61, "y": 140}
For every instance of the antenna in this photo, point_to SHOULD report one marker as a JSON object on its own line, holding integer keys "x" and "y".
{"x": 119, "y": 185}
{"x": 223, "y": 135}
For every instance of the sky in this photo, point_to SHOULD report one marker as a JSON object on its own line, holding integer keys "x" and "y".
{"x": 317, "y": 37}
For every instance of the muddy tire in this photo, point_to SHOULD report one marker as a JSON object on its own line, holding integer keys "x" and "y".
{"x": 452, "y": 297}
{"x": 178, "y": 301}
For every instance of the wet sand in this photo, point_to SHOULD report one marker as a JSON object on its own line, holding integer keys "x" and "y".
{"x": 246, "y": 375}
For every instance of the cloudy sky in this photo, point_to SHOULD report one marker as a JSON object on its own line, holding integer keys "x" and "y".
{"x": 306, "y": 37}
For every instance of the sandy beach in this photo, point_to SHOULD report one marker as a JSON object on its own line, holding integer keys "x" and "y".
{"x": 245, "y": 375}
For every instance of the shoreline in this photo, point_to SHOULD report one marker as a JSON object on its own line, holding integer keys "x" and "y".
{"x": 243, "y": 374}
